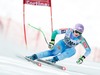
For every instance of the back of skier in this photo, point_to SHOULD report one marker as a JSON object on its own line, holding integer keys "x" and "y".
{"x": 65, "y": 48}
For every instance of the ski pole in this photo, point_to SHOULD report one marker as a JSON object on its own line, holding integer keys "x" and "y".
{"x": 41, "y": 32}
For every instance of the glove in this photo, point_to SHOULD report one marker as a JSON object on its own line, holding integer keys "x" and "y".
{"x": 80, "y": 60}
{"x": 51, "y": 44}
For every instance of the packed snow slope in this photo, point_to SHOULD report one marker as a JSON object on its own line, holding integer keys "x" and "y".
{"x": 10, "y": 64}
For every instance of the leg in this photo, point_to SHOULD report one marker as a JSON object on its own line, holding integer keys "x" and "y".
{"x": 58, "y": 48}
{"x": 66, "y": 54}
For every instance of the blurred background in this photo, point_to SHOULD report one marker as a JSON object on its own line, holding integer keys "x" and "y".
{"x": 65, "y": 13}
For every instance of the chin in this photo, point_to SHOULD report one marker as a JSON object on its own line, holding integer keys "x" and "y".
{"x": 76, "y": 35}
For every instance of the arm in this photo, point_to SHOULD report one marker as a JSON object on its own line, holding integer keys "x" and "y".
{"x": 86, "y": 46}
{"x": 54, "y": 34}
{"x": 88, "y": 50}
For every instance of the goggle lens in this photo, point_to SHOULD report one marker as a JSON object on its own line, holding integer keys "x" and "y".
{"x": 77, "y": 32}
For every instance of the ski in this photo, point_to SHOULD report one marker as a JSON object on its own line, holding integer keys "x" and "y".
{"x": 30, "y": 60}
{"x": 52, "y": 64}
{"x": 33, "y": 61}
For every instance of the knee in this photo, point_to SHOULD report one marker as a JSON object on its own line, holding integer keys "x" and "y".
{"x": 71, "y": 53}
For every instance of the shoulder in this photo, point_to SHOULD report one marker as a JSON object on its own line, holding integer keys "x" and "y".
{"x": 63, "y": 28}
{"x": 71, "y": 29}
{"x": 66, "y": 29}
{"x": 82, "y": 39}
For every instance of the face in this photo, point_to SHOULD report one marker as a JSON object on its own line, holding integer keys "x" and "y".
{"x": 77, "y": 33}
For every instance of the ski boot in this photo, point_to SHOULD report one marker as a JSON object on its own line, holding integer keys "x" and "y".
{"x": 53, "y": 60}
{"x": 33, "y": 57}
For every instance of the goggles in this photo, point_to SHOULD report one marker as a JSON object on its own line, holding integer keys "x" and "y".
{"x": 77, "y": 32}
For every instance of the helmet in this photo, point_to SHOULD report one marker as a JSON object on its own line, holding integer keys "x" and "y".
{"x": 79, "y": 27}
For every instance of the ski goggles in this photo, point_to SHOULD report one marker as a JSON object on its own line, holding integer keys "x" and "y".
{"x": 77, "y": 32}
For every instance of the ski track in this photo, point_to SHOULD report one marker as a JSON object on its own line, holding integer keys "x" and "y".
{"x": 10, "y": 64}
{"x": 23, "y": 67}
{"x": 5, "y": 63}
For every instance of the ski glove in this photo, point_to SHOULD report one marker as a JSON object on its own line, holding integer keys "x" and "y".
{"x": 80, "y": 60}
{"x": 51, "y": 44}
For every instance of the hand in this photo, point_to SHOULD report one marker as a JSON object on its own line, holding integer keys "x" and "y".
{"x": 80, "y": 60}
{"x": 51, "y": 44}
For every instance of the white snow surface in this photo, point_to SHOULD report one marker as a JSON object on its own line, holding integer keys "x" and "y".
{"x": 10, "y": 64}
{"x": 89, "y": 16}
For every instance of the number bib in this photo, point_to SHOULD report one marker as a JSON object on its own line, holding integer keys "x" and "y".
{"x": 69, "y": 41}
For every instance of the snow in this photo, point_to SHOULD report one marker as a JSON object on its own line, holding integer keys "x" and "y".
{"x": 10, "y": 64}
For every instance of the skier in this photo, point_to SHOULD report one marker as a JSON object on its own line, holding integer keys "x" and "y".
{"x": 65, "y": 48}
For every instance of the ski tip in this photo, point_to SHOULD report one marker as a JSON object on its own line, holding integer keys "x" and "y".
{"x": 63, "y": 68}
{"x": 39, "y": 64}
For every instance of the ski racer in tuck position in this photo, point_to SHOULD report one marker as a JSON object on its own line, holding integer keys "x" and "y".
{"x": 65, "y": 48}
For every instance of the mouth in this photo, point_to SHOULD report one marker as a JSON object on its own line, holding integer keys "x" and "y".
{"x": 76, "y": 35}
